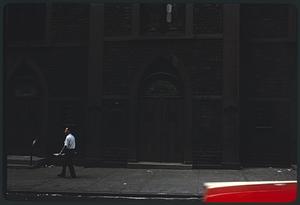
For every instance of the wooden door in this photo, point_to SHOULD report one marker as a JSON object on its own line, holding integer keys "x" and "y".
{"x": 161, "y": 129}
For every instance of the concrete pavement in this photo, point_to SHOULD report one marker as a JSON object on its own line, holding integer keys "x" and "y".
{"x": 134, "y": 182}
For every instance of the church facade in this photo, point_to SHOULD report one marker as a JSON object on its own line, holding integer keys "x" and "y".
{"x": 211, "y": 85}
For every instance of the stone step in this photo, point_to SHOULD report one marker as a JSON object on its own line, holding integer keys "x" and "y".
{"x": 157, "y": 165}
{"x": 21, "y": 166}
{"x": 23, "y": 160}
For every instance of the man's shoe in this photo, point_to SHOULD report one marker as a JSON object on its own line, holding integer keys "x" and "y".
{"x": 61, "y": 175}
{"x": 74, "y": 176}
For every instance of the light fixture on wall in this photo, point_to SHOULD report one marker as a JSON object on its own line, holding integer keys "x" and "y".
{"x": 169, "y": 8}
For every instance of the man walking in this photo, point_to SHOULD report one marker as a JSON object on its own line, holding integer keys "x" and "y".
{"x": 69, "y": 151}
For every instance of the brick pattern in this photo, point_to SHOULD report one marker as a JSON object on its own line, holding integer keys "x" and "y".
{"x": 267, "y": 85}
{"x": 117, "y": 19}
{"x": 208, "y": 18}
{"x": 69, "y": 22}
{"x": 202, "y": 59}
{"x": 265, "y": 21}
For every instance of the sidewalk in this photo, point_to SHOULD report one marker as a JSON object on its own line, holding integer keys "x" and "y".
{"x": 133, "y": 182}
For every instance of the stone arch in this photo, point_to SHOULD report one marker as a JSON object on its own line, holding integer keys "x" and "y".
{"x": 161, "y": 84}
{"x": 32, "y": 98}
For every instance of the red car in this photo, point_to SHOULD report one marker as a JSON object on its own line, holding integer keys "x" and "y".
{"x": 255, "y": 191}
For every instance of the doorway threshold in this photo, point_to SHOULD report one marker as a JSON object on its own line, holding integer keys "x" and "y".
{"x": 158, "y": 165}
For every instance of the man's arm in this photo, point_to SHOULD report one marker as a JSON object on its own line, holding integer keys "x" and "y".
{"x": 63, "y": 148}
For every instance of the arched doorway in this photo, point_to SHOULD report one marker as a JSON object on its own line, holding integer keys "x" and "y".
{"x": 161, "y": 126}
{"x": 24, "y": 111}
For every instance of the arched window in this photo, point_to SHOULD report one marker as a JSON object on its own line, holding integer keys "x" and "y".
{"x": 26, "y": 87}
{"x": 24, "y": 84}
{"x": 161, "y": 84}
{"x": 24, "y": 109}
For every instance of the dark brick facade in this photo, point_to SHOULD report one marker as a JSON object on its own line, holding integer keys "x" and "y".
{"x": 245, "y": 100}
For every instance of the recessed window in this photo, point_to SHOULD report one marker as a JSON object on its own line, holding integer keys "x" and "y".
{"x": 69, "y": 22}
{"x": 117, "y": 19}
{"x": 25, "y": 22}
{"x": 208, "y": 18}
{"x": 25, "y": 86}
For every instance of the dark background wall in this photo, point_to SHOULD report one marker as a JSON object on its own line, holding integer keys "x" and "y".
{"x": 268, "y": 84}
{"x": 51, "y": 43}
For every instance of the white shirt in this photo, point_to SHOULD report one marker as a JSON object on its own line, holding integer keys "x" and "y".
{"x": 70, "y": 141}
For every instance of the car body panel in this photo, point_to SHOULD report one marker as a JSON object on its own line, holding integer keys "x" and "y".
{"x": 264, "y": 191}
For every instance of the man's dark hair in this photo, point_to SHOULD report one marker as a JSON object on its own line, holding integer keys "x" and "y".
{"x": 69, "y": 128}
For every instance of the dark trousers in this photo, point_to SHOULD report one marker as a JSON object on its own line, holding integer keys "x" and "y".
{"x": 68, "y": 161}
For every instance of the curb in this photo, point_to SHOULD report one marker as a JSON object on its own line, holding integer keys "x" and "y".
{"x": 36, "y": 196}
